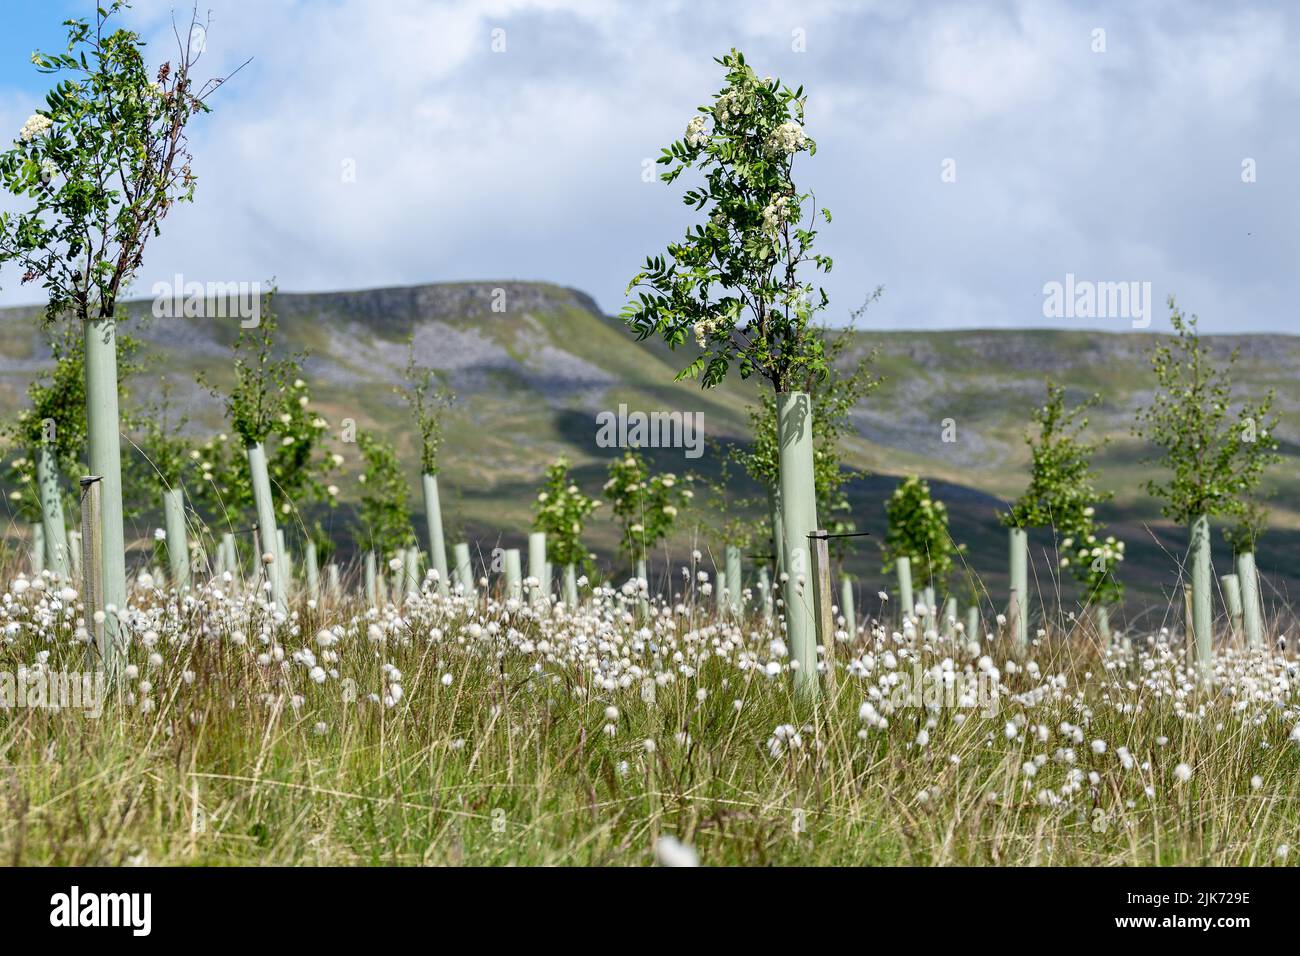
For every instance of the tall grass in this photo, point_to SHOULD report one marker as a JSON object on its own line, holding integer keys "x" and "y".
{"x": 531, "y": 736}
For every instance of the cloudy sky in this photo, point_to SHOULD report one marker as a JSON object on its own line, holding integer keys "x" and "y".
{"x": 1113, "y": 156}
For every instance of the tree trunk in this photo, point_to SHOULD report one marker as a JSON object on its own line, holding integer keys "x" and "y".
{"x": 765, "y": 594}
{"x": 38, "y": 548}
{"x": 1103, "y": 623}
{"x": 642, "y": 581}
{"x": 372, "y": 580}
{"x": 284, "y": 563}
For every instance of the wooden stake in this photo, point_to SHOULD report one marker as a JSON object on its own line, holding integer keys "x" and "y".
{"x": 822, "y": 604}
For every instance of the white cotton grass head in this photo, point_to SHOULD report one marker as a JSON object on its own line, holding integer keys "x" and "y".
{"x": 669, "y": 851}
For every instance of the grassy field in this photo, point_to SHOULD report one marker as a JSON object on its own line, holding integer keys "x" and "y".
{"x": 470, "y": 731}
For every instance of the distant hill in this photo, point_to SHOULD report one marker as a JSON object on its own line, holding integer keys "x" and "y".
{"x": 530, "y": 380}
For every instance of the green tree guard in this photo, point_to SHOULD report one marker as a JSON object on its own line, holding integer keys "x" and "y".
{"x": 178, "y": 548}
{"x": 514, "y": 576}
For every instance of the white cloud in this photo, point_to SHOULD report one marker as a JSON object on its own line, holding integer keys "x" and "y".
{"x": 527, "y": 163}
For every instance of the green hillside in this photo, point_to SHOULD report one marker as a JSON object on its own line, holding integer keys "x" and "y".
{"x": 531, "y": 379}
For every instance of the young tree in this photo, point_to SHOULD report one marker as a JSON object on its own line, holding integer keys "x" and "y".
{"x": 100, "y": 167}
{"x": 1212, "y": 458}
{"x": 917, "y": 529}
{"x": 833, "y": 401}
{"x": 736, "y": 287}
{"x": 269, "y": 399}
{"x": 1063, "y": 495}
{"x": 428, "y": 405}
{"x": 645, "y": 505}
{"x": 385, "y": 524}
{"x": 562, "y": 511}
{"x": 49, "y": 437}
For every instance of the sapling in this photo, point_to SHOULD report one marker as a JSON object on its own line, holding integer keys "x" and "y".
{"x": 100, "y": 166}
{"x": 281, "y": 441}
{"x": 917, "y": 530}
{"x": 735, "y": 287}
{"x": 48, "y": 438}
{"x": 382, "y": 512}
{"x": 1212, "y": 458}
{"x": 561, "y": 514}
{"x": 835, "y": 395}
{"x": 428, "y": 405}
{"x": 1063, "y": 494}
{"x": 645, "y": 505}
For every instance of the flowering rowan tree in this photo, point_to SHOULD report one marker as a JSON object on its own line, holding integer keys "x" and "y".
{"x": 737, "y": 288}
{"x": 1063, "y": 494}
{"x": 645, "y": 505}
{"x": 561, "y": 512}
{"x": 1212, "y": 458}
{"x": 734, "y": 284}
{"x": 100, "y": 166}
{"x": 917, "y": 529}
